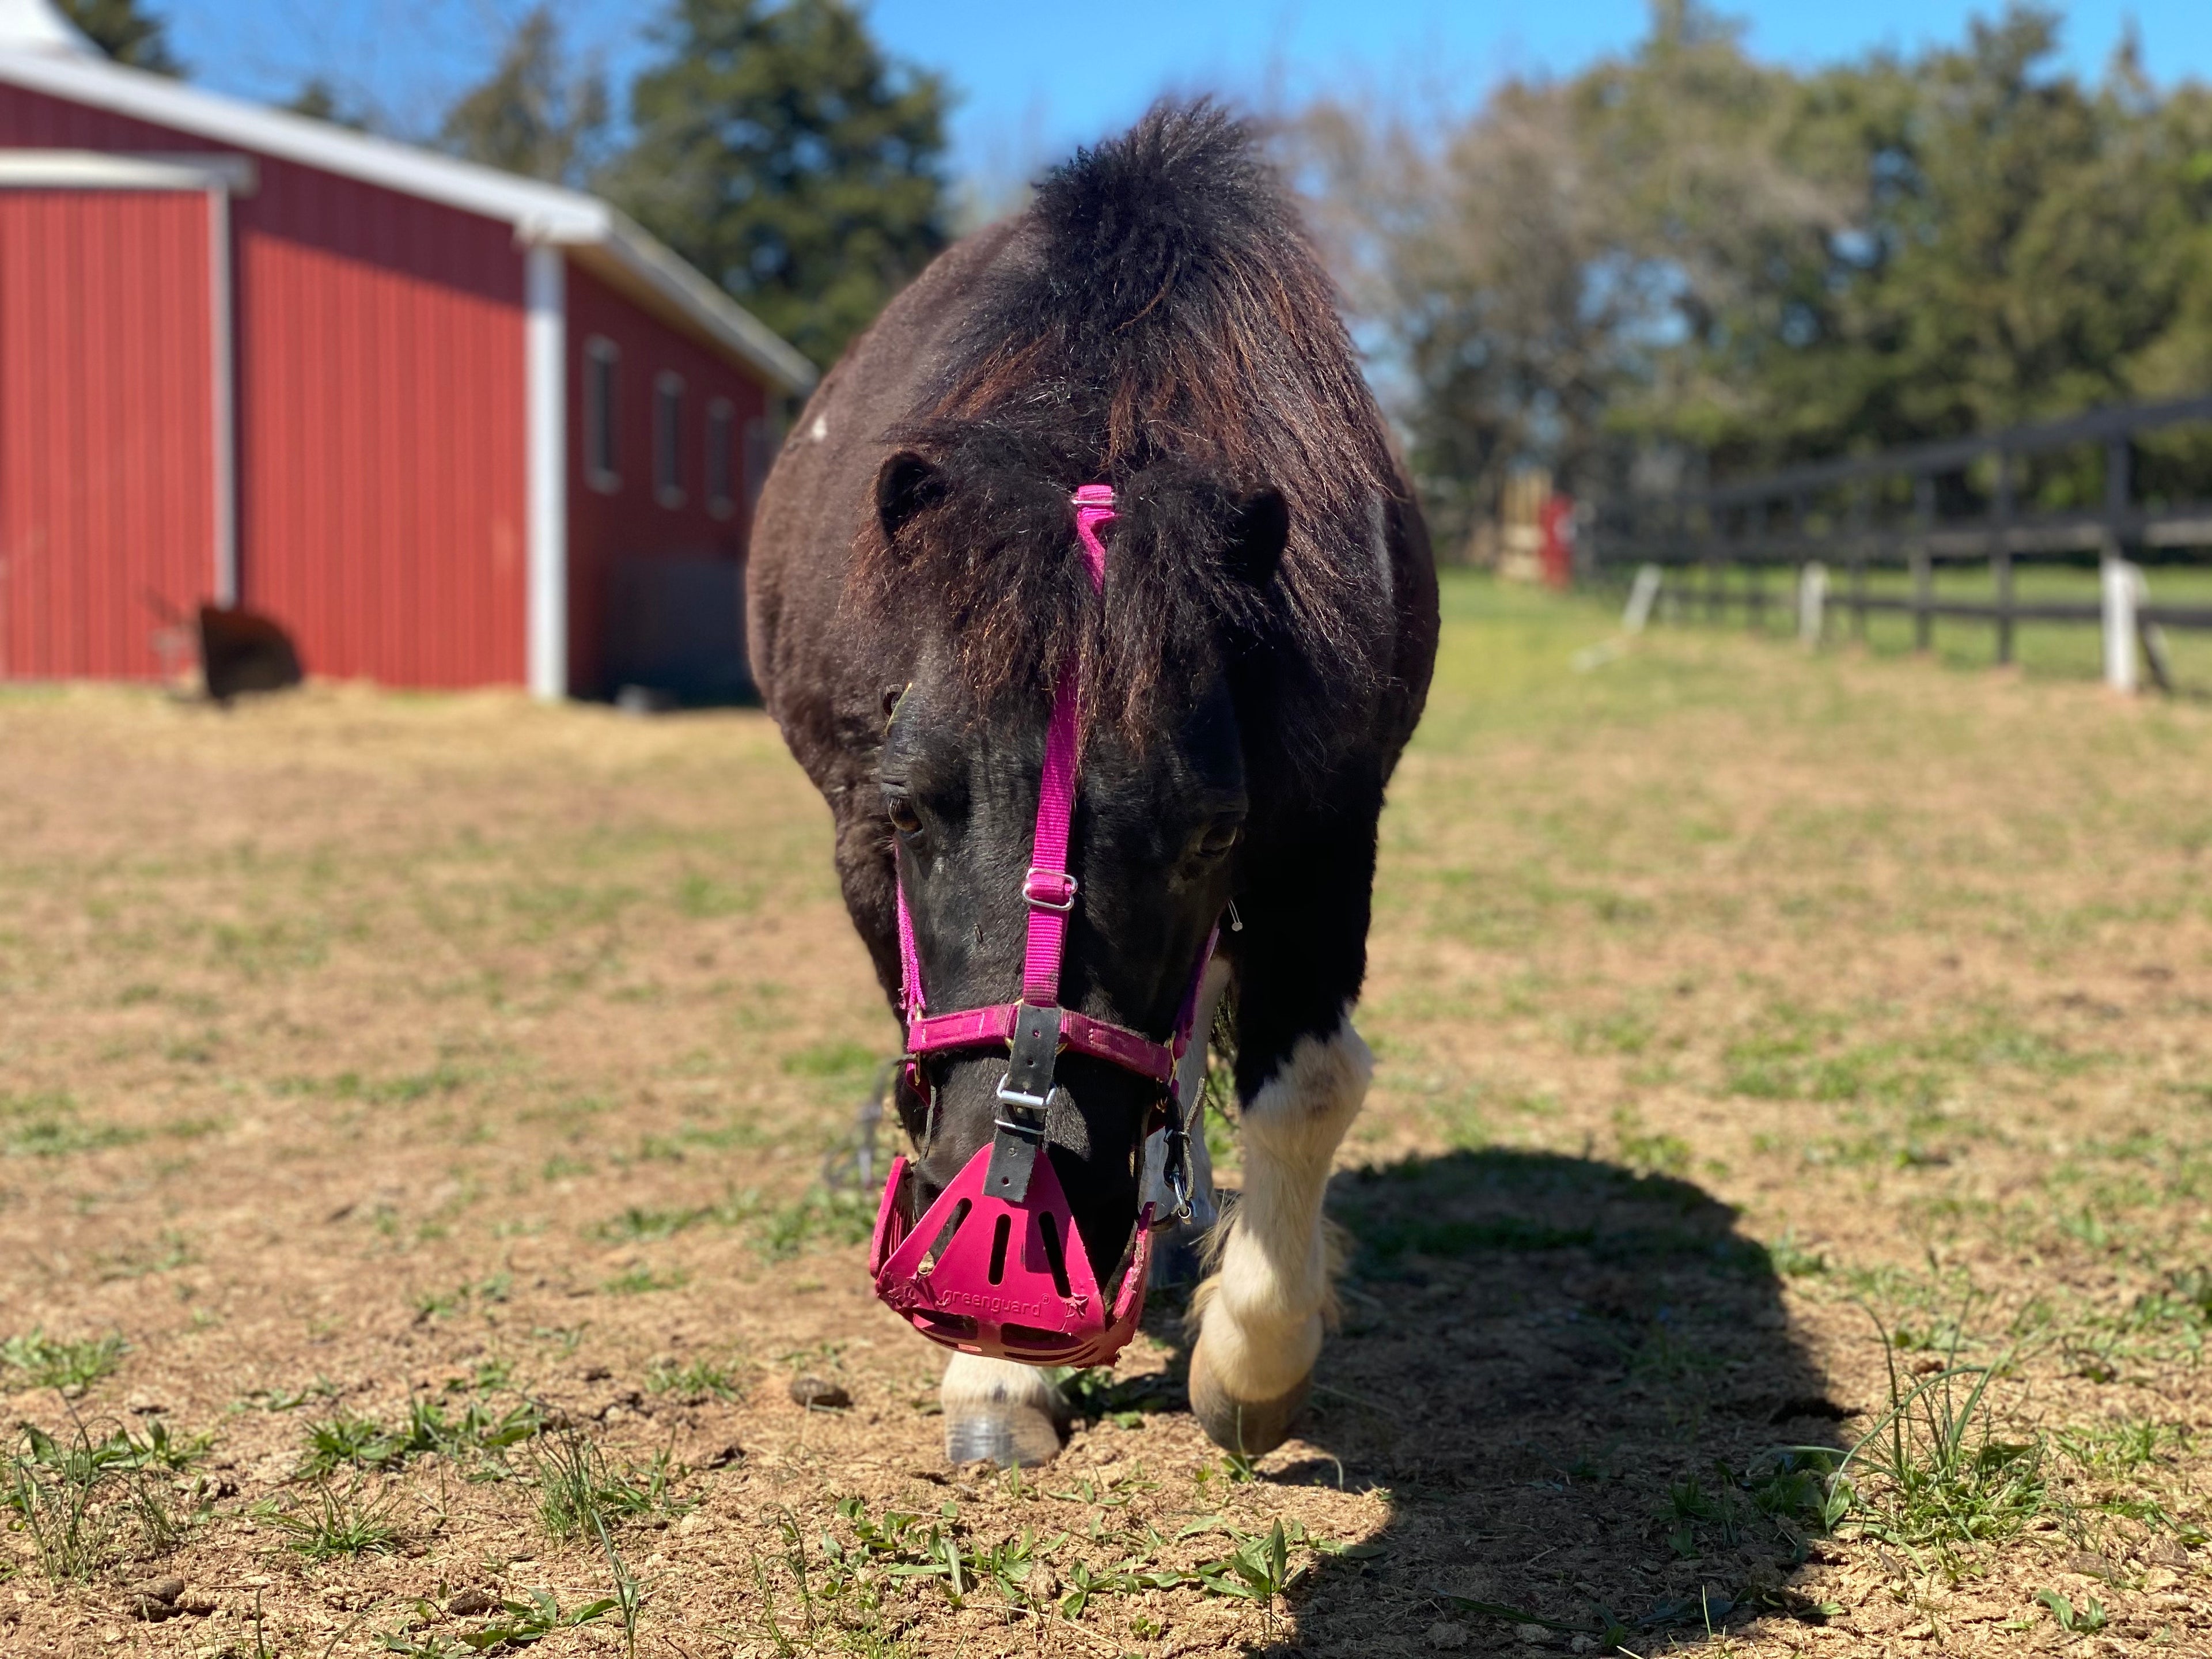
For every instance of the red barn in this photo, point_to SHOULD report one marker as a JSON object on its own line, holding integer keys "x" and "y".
{"x": 449, "y": 426}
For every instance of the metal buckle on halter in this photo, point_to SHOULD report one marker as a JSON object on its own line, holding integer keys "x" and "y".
{"x": 1048, "y": 890}
{"x": 1025, "y": 1091}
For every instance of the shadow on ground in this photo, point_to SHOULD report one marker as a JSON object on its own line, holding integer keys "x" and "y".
{"x": 1578, "y": 1386}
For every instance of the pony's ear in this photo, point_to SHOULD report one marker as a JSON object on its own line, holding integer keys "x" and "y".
{"x": 905, "y": 484}
{"x": 1259, "y": 530}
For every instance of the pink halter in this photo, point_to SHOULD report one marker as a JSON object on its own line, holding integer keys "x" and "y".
{"x": 997, "y": 1266}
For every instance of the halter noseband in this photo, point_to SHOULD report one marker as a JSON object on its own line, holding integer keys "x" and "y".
{"x": 996, "y": 1267}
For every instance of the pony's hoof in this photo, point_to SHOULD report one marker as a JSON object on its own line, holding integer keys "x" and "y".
{"x": 1250, "y": 1428}
{"x": 1010, "y": 1436}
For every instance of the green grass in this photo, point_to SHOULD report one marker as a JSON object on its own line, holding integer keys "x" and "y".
{"x": 352, "y": 1523}
{"x": 40, "y": 1361}
{"x": 582, "y": 1495}
{"x": 76, "y": 1498}
{"x": 345, "y": 1440}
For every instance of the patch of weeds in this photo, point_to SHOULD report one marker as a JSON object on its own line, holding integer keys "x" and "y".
{"x": 642, "y": 1281}
{"x": 2085, "y": 1620}
{"x": 639, "y": 1225}
{"x": 695, "y": 1382}
{"x": 74, "y": 1498}
{"x": 518, "y": 1625}
{"x": 1934, "y": 1474}
{"x": 1649, "y": 1151}
{"x": 2121, "y": 1446}
{"x": 47, "y": 1125}
{"x": 290, "y": 1400}
{"x": 347, "y": 1441}
{"x": 488, "y": 1291}
{"x": 40, "y": 1361}
{"x": 704, "y": 898}
{"x": 580, "y": 1495}
{"x": 173, "y": 1251}
{"x": 1791, "y": 1260}
{"x": 1095, "y": 1397}
{"x": 819, "y": 1217}
{"x": 340, "y": 1523}
{"x": 833, "y": 1059}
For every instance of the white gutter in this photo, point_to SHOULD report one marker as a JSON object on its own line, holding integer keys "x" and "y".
{"x": 222, "y": 370}
{"x": 545, "y": 329}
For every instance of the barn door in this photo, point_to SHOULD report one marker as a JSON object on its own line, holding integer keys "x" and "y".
{"x": 111, "y": 512}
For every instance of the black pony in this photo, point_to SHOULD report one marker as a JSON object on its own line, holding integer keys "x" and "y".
{"x": 1158, "y": 322}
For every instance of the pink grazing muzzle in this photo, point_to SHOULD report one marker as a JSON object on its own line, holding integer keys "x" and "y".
{"x": 996, "y": 1266}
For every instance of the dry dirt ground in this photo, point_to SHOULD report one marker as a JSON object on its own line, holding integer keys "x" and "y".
{"x": 412, "y": 1123}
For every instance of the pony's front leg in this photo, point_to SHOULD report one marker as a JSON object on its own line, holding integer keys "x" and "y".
{"x": 998, "y": 1411}
{"x": 1260, "y": 1314}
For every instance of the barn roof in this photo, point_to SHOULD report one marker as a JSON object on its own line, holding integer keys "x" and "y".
{"x": 39, "y": 57}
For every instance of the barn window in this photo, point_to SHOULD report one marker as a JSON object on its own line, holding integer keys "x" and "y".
{"x": 722, "y": 430}
{"x": 668, "y": 440}
{"x": 602, "y": 369}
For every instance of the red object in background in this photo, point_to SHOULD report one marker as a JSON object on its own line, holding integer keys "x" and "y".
{"x": 1555, "y": 548}
{"x": 107, "y": 463}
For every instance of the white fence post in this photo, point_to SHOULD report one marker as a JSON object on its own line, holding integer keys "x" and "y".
{"x": 2122, "y": 583}
{"x": 1641, "y": 598}
{"x": 1812, "y": 603}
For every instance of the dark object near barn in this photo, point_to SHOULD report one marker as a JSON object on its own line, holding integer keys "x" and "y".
{"x": 241, "y": 652}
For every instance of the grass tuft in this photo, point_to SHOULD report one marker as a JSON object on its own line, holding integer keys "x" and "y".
{"x": 40, "y": 1361}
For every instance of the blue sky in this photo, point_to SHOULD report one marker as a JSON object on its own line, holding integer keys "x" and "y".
{"x": 1035, "y": 77}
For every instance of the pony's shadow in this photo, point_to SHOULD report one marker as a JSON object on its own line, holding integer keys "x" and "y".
{"x": 1578, "y": 1387}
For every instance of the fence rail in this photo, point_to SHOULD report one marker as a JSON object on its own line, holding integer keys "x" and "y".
{"x": 1844, "y": 515}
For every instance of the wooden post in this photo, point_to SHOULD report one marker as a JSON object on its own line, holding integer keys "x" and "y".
{"x": 1924, "y": 568}
{"x": 1812, "y": 603}
{"x": 1756, "y": 576}
{"x": 1641, "y": 598}
{"x": 1859, "y": 516}
{"x": 2001, "y": 558}
{"x": 2119, "y": 576}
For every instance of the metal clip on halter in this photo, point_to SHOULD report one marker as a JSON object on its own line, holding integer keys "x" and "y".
{"x": 1025, "y": 1092}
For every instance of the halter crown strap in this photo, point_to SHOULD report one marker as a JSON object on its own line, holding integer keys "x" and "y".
{"x": 1048, "y": 890}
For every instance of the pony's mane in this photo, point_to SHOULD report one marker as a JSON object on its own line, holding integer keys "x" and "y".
{"x": 1159, "y": 322}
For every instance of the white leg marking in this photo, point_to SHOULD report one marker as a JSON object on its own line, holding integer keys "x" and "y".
{"x": 998, "y": 1411}
{"x": 973, "y": 1383}
{"x": 1260, "y": 1316}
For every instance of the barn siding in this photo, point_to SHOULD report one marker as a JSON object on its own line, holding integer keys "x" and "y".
{"x": 107, "y": 428}
{"x": 380, "y": 413}
{"x": 629, "y": 523}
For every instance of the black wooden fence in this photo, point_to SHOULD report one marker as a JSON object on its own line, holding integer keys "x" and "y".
{"x": 1986, "y": 498}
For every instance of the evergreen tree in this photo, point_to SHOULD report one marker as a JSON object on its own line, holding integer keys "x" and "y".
{"x": 534, "y": 115}
{"x": 780, "y": 151}
{"x": 126, "y": 32}
{"x": 320, "y": 99}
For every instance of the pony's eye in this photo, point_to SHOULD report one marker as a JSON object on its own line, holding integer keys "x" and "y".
{"x": 1218, "y": 839}
{"x": 904, "y": 818}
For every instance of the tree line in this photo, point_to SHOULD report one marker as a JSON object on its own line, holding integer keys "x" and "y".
{"x": 773, "y": 144}
{"x": 1683, "y": 260}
